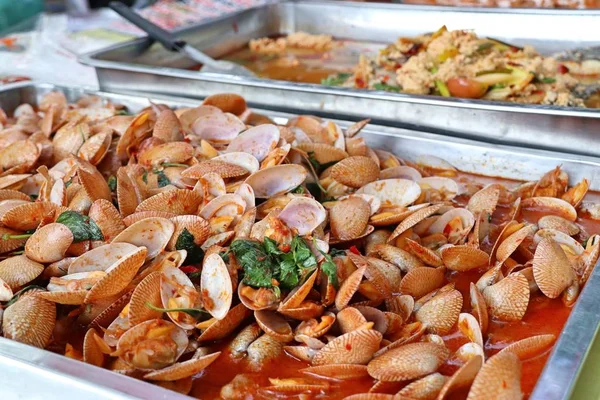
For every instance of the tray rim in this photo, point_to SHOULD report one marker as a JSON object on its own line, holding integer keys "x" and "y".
{"x": 569, "y": 353}
{"x": 91, "y": 59}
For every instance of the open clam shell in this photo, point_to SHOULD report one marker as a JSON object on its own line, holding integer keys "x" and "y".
{"x": 101, "y": 258}
{"x": 19, "y": 270}
{"x": 222, "y": 328}
{"x": 178, "y": 291}
{"x": 508, "y": 299}
{"x": 463, "y": 257}
{"x": 276, "y": 180}
{"x": 146, "y": 292}
{"x": 274, "y": 325}
{"x": 455, "y": 233}
{"x": 441, "y": 313}
{"x": 400, "y": 192}
{"x": 257, "y": 141}
{"x": 551, "y": 205}
{"x": 551, "y": 268}
{"x": 217, "y": 289}
{"x": 410, "y": 361}
{"x": 137, "y": 347}
{"x": 420, "y": 281}
{"x": 240, "y": 158}
{"x": 152, "y": 233}
{"x": 183, "y": 369}
{"x": 303, "y": 214}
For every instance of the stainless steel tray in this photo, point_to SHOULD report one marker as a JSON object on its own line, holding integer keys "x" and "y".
{"x": 140, "y": 66}
{"x": 25, "y": 370}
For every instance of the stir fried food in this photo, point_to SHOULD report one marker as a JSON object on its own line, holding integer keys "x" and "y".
{"x": 212, "y": 252}
{"x": 460, "y": 64}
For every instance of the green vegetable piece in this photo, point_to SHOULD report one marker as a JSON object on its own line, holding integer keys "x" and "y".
{"x": 386, "y": 87}
{"x": 145, "y": 176}
{"x": 442, "y": 88}
{"x": 330, "y": 269}
{"x": 336, "y": 80}
{"x": 82, "y": 226}
{"x": 299, "y": 190}
{"x": 257, "y": 265}
{"x": 162, "y": 178}
{"x": 112, "y": 183}
{"x": 185, "y": 241}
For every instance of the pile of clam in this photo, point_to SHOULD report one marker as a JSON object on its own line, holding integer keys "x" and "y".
{"x": 122, "y": 224}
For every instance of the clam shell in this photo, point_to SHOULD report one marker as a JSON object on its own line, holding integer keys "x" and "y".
{"x": 478, "y": 307}
{"x": 400, "y": 192}
{"x": 172, "y": 152}
{"x": 411, "y": 361}
{"x": 462, "y": 378}
{"x": 274, "y": 325}
{"x": 322, "y": 152}
{"x": 530, "y": 347}
{"x": 551, "y": 205}
{"x": 195, "y": 225}
{"x": 440, "y": 313}
{"x": 350, "y": 319}
{"x": 94, "y": 184}
{"x": 338, "y": 371}
{"x": 420, "y": 281}
{"x": 348, "y": 218}
{"x": 107, "y": 217}
{"x": 138, "y": 216}
{"x": 400, "y": 258}
{"x": 499, "y": 378}
{"x": 133, "y": 339}
{"x": 551, "y": 268}
{"x": 257, "y": 141}
{"x": 469, "y": 327}
{"x": 223, "y": 169}
{"x": 427, "y": 387}
{"x": 30, "y": 320}
{"x": 178, "y": 201}
{"x": 227, "y": 102}
{"x": 402, "y": 305}
{"x": 355, "y": 171}
{"x": 508, "y": 299}
{"x": 510, "y": 244}
{"x": 356, "y": 347}
{"x": 183, "y": 369}
{"x": 49, "y": 243}
{"x": 485, "y": 200}
{"x": 147, "y": 291}
{"x": 425, "y": 254}
{"x": 128, "y": 196}
{"x": 413, "y": 219}
{"x": 392, "y": 274}
{"x": 229, "y": 205}
{"x": 263, "y": 351}
{"x": 101, "y": 258}
{"x": 7, "y": 194}
{"x": 400, "y": 172}
{"x": 18, "y": 271}
{"x": 467, "y": 218}
{"x": 92, "y": 352}
{"x": 218, "y": 128}
{"x": 118, "y": 276}
{"x": 176, "y": 284}
{"x": 153, "y": 233}
{"x": 298, "y": 294}
{"x": 167, "y": 127}
{"x": 240, "y": 158}
{"x": 273, "y": 181}
{"x": 28, "y": 216}
{"x": 217, "y": 289}
{"x": 447, "y": 187}
{"x": 558, "y": 223}
{"x": 222, "y": 328}
{"x": 463, "y": 258}
{"x": 314, "y": 328}
{"x": 573, "y": 247}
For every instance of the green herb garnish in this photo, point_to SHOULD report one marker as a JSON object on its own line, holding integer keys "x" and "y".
{"x": 442, "y": 88}
{"x": 185, "y": 241}
{"x": 330, "y": 269}
{"x": 121, "y": 112}
{"x": 162, "y": 179}
{"x": 166, "y": 165}
{"x": 498, "y": 86}
{"x": 112, "y": 183}
{"x": 336, "y": 80}
{"x": 298, "y": 190}
{"x": 386, "y": 87}
{"x": 82, "y": 226}
{"x": 145, "y": 177}
{"x": 33, "y": 197}
{"x": 317, "y": 165}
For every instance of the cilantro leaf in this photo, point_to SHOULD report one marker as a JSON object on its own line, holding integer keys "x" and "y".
{"x": 82, "y": 226}
{"x": 271, "y": 246}
{"x": 162, "y": 178}
{"x": 337, "y": 252}
{"x": 329, "y": 268}
{"x": 257, "y": 265}
{"x": 145, "y": 177}
{"x": 303, "y": 257}
{"x": 288, "y": 273}
{"x": 298, "y": 190}
{"x": 185, "y": 241}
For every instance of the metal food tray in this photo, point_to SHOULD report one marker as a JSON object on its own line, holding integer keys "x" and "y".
{"x": 28, "y": 372}
{"x": 140, "y": 66}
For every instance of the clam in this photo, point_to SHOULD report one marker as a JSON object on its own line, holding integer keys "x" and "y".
{"x": 427, "y": 387}
{"x": 355, "y": 172}
{"x": 444, "y": 188}
{"x": 508, "y": 299}
{"x": 101, "y": 258}
{"x": 462, "y": 378}
{"x": 18, "y": 271}
{"x": 400, "y": 172}
{"x": 227, "y": 102}
{"x": 551, "y": 269}
{"x": 152, "y": 345}
{"x": 551, "y": 205}
{"x": 463, "y": 257}
{"x": 441, "y": 313}
{"x": 420, "y": 281}
{"x": 356, "y": 347}
{"x": 29, "y": 320}
{"x": 413, "y": 219}
{"x": 257, "y": 141}
{"x": 178, "y": 292}
{"x": 274, "y": 325}
{"x": 349, "y": 218}
{"x": 153, "y": 233}
{"x": 400, "y": 192}
{"x": 167, "y": 127}
{"x": 530, "y": 347}
{"x": 217, "y": 290}
{"x": 407, "y": 362}
{"x": 273, "y": 181}
{"x": 485, "y": 200}
{"x": 217, "y": 127}
{"x": 183, "y": 369}
{"x": 49, "y": 243}
{"x": 500, "y": 377}
{"x": 455, "y": 224}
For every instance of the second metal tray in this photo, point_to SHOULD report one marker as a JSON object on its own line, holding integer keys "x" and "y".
{"x": 140, "y": 66}
{"x": 27, "y": 372}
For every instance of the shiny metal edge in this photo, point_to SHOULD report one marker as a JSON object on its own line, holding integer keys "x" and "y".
{"x": 29, "y": 372}
{"x": 535, "y": 126}
{"x": 568, "y": 355}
